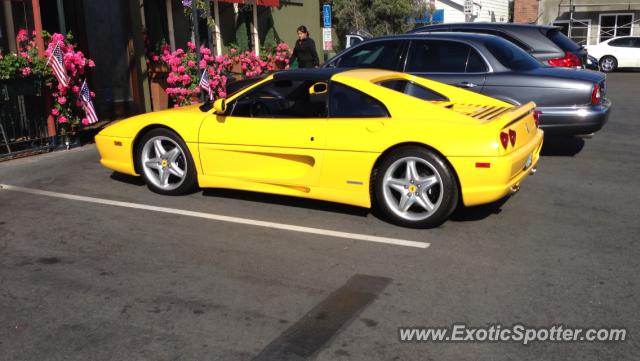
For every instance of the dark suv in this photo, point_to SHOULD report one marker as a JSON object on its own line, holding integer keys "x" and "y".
{"x": 545, "y": 43}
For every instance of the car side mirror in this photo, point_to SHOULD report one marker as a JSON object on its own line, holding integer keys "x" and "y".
{"x": 318, "y": 88}
{"x": 220, "y": 106}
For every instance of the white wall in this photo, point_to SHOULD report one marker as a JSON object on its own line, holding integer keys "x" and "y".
{"x": 483, "y": 9}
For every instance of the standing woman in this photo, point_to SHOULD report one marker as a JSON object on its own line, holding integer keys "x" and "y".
{"x": 305, "y": 50}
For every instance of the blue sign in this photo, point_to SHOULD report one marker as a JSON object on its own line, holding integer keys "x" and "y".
{"x": 326, "y": 15}
{"x": 436, "y": 18}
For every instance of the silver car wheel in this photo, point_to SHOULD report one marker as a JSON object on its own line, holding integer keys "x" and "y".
{"x": 164, "y": 163}
{"x": 412, "y": 188}
{"x": 608, "y": 64}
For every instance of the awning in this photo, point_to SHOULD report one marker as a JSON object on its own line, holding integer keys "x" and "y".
{"x": 260, "y": 2}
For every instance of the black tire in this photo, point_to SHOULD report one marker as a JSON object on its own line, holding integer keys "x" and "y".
{"x": 423, "y": 157}
{"x": 188, "y": 183}
{"x": 608, "y": 64}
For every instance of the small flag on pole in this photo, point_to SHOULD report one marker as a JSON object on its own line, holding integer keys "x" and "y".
{"x": 204, "y": 83}
{"x": 87, "y": 104}
{"x": 57, "y": 64}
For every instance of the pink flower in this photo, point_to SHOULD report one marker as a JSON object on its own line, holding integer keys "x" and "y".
{"x": 62, "y": 100}
{"x": 91, "y": 64}
{"x": 62, "y": 119}
{"x": 155, "y": 58}
{"x": 76, "y": 89}
{"x": 85, "y": 121}
{"x": 233, "y": 51}
{"x": 93, "y": 95}
{"x": 22, "y": 35}
{"x": 191, "y": 63}
{"x": 191, "y": 45}
{"x": 55, "y": 112}
{"x": 24, "y": 54}
{"x": 222, "y": 94}
{"x": 26, "y": 71}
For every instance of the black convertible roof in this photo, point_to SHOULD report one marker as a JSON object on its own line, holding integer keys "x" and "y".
{"x": 316, "y": 74}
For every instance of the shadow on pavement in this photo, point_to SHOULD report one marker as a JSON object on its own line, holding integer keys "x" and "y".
{"x": 477, "y": 213}
{"x": 286, "y": 201}
{"x": 562, "y": 146}
{"x": 129, "y": 179}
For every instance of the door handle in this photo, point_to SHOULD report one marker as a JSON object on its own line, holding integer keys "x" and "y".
{"x": 466, "y": 84}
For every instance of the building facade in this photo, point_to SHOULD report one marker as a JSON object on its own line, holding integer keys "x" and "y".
{"x": 589, "y": 22}
{"x": 113, "y": 34}
{"x": 474, "y": 11}
{"x": 525, "y": 11}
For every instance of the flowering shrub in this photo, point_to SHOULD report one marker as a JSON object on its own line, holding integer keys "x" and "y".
{"x": 250, "y": 64}
{"x": 26, "y": 62}
{"x": 153, "y": 53}
{"x": 67, "y": 107}
{"x": 186, "y": 71}
{"x": 281, "y": 57}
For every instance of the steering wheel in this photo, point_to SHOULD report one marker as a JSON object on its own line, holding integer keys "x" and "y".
{"x": 259, "y": 109}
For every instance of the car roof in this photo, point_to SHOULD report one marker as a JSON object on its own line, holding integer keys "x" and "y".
{"x": 485, "y": 25}
{"x": 437, "y": 35}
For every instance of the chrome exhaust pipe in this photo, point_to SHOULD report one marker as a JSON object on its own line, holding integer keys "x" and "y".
{"x": 514, "y": 189}
{"x": 585, "y": 136}
{"x": 533, "y": 170}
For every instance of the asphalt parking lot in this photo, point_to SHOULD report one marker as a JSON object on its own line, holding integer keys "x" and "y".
{"x": 84, "y": 280}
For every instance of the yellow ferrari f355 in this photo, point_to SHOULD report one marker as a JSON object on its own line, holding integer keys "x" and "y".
{"x": 412, "y": 147}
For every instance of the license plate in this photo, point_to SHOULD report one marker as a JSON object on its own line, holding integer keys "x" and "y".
{"x": 527, "y": 163}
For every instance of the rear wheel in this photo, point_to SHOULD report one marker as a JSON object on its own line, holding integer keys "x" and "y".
{"x": 608, "y": 64}
{"x": 165, "y": 163}
{"x": 414, "y": 187}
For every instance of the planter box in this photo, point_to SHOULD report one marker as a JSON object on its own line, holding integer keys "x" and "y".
{"x": 158, "y": 74}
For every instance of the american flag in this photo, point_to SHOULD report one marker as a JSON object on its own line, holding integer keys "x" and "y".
{"x": 57, "y": 64}
{"x": 204, "y": 82}
{"x": 87, "y": 104}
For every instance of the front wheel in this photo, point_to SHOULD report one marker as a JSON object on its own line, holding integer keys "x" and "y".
{"x": 608, "y": 64}
{"x": 414, "y": 187}
{"x": 165, "y": 163}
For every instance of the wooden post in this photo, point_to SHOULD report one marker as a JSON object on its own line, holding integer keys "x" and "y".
{"x": 61, "y": 21}
{"x": 217, "y": 36}
{"x": 172, "y": 37}
{"x": 37, "y": 22}
{"x": 8, "y": 19}
{"x": 143, "y": 18}
{"x": 254, "y": 29}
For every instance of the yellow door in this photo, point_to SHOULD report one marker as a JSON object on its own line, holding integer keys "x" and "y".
{"x": 265, "y": 141}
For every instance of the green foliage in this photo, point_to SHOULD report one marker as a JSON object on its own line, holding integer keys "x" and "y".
{"x": 378, "y": 17}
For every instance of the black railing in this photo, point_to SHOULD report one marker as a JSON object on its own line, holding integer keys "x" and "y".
{"x": 23, "y": 122}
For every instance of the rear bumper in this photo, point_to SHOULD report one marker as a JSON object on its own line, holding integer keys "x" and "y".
{"x": 574, "y": 120}
{"x": 486, "y": 185}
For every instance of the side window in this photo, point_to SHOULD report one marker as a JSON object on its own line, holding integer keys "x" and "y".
{"x": 281, "y": 99}
{"x": 636, "y": 42}
{"x": 346, "y": 102}
{"x": 415, "y": 90}
{"x": 624, "y": 42}
{"x": 379, "y": 54}
{"x": 427, "y": 56}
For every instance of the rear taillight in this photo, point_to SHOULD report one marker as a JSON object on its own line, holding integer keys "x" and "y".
{"x": 512, "y": 137}
{"x": 570, "y": 60}
{"x": 536, "y": 117}
{"x": 504, "y": 139}
{"x": 596, "y": 96}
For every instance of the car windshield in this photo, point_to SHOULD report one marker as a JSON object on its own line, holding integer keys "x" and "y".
{"x": 236, "y": 86}
{"x": 511, "y": 56}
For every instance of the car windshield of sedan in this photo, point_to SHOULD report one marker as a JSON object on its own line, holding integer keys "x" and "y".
{"x": 511, "y": 56}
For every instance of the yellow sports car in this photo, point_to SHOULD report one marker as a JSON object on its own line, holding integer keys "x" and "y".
{"x": 412, "y": 147}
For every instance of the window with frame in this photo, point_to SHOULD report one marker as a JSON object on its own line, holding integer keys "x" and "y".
{"x": 440, "y": 56}
{"x": 281, "y": 99}
{"x": 346, "y": 102}
{"x": 379, "y": 54}
{"x": 622, "y": 42}
{"x": 410, "y": 88}
{"x": 614, "y": 25}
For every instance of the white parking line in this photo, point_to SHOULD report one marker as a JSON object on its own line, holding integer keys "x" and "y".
{"x": 221, "y": 218}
